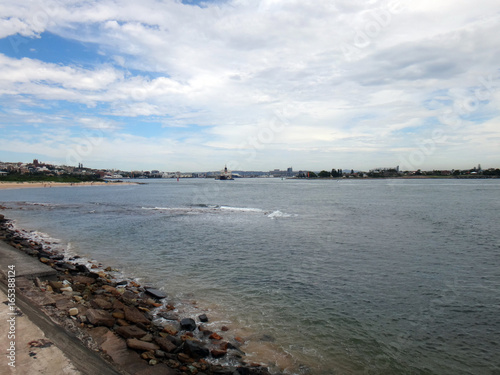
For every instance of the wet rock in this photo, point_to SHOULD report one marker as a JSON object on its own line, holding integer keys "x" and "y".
{"x": 267, "y": 338}
{"x": 165, "y": 344}
{"x": 133, "y": 315}
{"x": 100, "y": 318}
{"x": 169, "y": 315}
{"x": 66, "y": 266}
{"x": 141, "y": 345}
{"x": 188, "y": 324}
{"x": 215, "y": 336}
{"x": 252, "y": 371}
{"x": 82, "y": 268}
{"x": 170, "y": 329}
{"x": 218, "y": 353}
{"x": 221, "y": 370}
{"x": 129, "y": 332}
{"x": 195, "y": 349}
{"x": 203, "y": 318}
{"x": 156, "y": 293}
{"x": 224, "y": 329}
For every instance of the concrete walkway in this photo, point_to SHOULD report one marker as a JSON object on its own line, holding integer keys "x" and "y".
{"x": 67, "y": 356}
{"x": 25, "y": 265}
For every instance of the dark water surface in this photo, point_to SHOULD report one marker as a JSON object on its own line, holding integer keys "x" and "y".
{"x": 323, "y": 277}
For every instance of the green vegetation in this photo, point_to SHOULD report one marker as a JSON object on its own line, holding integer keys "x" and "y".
{"x": 324, "y": 174}
{"x": 40, "y": 177}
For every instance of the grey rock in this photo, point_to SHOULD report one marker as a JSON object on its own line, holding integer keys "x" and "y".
{"x": 188, "y": 324}
{"x": 203, "y": 318}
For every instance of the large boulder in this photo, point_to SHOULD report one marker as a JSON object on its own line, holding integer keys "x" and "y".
{"x": 158, "y": 294}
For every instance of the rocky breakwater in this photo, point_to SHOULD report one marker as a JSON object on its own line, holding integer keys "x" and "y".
{"x": 134, "y": 327}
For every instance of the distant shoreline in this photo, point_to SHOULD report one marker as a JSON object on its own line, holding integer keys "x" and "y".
{"x": 24, "y": 185}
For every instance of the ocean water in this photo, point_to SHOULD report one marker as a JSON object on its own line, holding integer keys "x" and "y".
{"x": 320, "y": 277}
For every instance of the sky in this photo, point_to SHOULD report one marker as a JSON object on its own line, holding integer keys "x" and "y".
{"x": 255, "y": 85}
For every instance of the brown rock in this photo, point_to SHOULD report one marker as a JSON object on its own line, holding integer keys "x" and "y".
{"x": 83, "y": 280}
{"x": 100, "y": 318}
{"x": 165, "y": 344}
{"x": 56, "y": 285}
{"x": 148, "y": 356}
{"x": 118, "y": 305}
{"x": 118, "y": 315}
{"x": 131, "y": 332}
{"x": 141, "y": 345}
{"x": 112, "y": 290}
{"x": 122, "y": 322}
{"x": 101, "y": 303}
{"x": 224, "y": 329}
{"x": 215, "y": 336}
{"x": 170, "y": 330}
{"x": 133, "y": 315}
{"x": 184, "y": 358}
{"x": 216, "y": 353}
{"x": 239, "y": 339}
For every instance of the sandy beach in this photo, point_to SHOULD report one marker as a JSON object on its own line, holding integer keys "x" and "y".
{"x": 25, "y": 185}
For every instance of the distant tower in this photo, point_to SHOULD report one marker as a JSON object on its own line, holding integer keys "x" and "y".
{"x": 35, "y": 162}
{"x": 479, "y": 167}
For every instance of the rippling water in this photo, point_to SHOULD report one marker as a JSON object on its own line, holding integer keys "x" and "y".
{"x": 322, "y": 277}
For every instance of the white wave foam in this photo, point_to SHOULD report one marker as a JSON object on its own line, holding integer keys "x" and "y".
{"x": 157, "y": 208}
{"x": 243, "y": 209}
{"x": 277, "y": 213}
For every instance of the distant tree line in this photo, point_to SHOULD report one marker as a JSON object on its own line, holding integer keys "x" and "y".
{"x": 42, "y": 177}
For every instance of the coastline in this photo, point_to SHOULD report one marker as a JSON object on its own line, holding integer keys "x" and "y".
{"x": 132, "y": 326}
{"x": 25, "y": 185}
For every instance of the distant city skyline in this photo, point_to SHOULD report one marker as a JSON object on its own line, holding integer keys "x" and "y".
{"x": 255, "y": 85}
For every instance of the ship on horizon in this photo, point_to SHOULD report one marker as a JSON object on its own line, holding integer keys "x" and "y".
{"x": 225, "y": 175}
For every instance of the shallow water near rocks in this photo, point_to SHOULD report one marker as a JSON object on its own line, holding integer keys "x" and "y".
{"x": 319, "y": 277}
